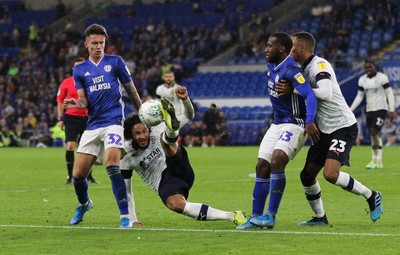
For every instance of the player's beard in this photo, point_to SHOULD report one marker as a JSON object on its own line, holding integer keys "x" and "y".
{"x": 169, "y": 84}
{"x": 136, "y": 145}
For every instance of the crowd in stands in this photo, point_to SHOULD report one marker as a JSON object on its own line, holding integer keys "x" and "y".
{"x": 344, "y": 30}
{"x": 31, "y": 74}
{"x": 29, "y": 79}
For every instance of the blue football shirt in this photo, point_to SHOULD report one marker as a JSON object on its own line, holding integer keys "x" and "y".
{"x": 101, "y": 83}
{"x": 291, "y": 108}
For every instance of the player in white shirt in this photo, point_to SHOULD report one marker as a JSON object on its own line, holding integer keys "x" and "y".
{"x": 167, "y": 91}
{"x": 380, "y": 103}
{"x": 163, "y": 164}
{"x": 338, "y": 132}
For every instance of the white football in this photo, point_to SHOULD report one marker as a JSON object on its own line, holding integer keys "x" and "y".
{"x": 150, "y": 113}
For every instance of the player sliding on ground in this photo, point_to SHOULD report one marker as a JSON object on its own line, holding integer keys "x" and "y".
{"x": 153, "y": 152}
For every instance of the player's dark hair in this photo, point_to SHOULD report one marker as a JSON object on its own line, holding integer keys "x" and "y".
{"x": 370, "y": 62}
{"x": 283, "y": 39}
{"x": 306, "y": 38}
{"x": 96, "y": 29}
{"x": 128, "y": 125}
{"x": 77, "y": 60}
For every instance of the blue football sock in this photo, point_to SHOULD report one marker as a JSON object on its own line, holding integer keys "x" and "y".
{"x": 278, "y": 183}
{"x": 81, "y": 190}
{"x": 260, "y": 194}
{"x": 119, "y": 189}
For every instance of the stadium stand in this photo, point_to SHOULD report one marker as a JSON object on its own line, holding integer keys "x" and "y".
{"x": 31, "y": 71}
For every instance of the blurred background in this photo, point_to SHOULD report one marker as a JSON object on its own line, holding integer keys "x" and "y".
{"x": 214, "y": 47}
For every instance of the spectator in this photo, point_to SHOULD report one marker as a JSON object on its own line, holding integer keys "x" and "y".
{"x": 33, "y": 33}
{"x": 389, "y": 134}
{"x": 196, "y": 7}
{"x": 220, "y": 7}
{"x": 394, "y": 139}
{"x": 240, "y": 8}
{"x": 60, "y": 10}
{"x": 210, "y": 127}
{"x": 225, "y": 38}
{"x": 153, "y": 77}
{"x": 193, "y": 134}
{"x": 8, "y": 138}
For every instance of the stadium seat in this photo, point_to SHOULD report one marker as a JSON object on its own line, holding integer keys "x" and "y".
{"x": 363, "y": 53}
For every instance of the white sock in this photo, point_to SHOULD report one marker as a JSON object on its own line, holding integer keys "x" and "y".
{"x": 172, "y": 134}
{"x": 131, "y": 200}
{"x": 358, "y": 188}
{"x": 315, "y": 204}
{"x": 374, "y": 155}
{"x": 199, "y": 211}
{"x": 379, "y": 152}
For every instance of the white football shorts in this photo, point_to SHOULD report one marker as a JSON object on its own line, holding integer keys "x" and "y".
{"x": 96, "y": 141}
{"x": 286, "y": 137}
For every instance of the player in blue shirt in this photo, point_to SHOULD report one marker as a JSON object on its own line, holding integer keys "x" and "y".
{"x": 293, "y": 121}
{"x": 98, "y": 81}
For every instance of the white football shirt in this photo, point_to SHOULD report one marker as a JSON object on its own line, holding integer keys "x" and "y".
{"x": 334, "y": 114}
{"x": 149, "y": 163}
{"x": 374, "y": 91}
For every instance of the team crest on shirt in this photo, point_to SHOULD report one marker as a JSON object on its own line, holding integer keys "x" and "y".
{"x": 107, "y": 68}
{"x": 300, "y": 78}
{"x": 322, "y": 65}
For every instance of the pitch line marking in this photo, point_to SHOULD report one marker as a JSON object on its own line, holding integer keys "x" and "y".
{"x": 206, "y": 230}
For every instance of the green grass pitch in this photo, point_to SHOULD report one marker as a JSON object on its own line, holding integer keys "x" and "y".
{"x": 36, "y": 206}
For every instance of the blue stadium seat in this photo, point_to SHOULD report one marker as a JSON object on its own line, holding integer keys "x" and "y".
{"x": 375, "y": 45}
{"x": 388, "y": 36}
{"x": 363, "y": 53}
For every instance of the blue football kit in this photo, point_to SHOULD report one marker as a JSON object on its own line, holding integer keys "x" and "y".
{"x": 291, "y": 108}
{"x": 101, "y": 83}
{"x": 297, "y": 109}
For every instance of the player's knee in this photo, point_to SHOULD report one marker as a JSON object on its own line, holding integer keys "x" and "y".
{"x": 263, "y": 168}
{"x": 279, "y": 160}
{"x": 331, "y": 176}
{"x": 175, "y": 204}
{"x": 70, "y": 146}
{"x": 306, "y": 178}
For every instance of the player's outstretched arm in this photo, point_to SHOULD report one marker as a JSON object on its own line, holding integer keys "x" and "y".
{"x": 188, "y": 110}
{"x": 133, "y": 94}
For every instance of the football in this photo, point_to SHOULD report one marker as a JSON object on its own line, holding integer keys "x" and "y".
{"x": 150, "y": 113}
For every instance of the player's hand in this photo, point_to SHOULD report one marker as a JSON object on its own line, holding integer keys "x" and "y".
{"x": 283, "y": 87}
{"x": 391, "y": 116}
{"x": 138, "y": 224}
{"x": 70, "y": 103}
{"x": 61, "y": 124}
{"x": 181, "y": 92}
{"x": 312, "y": 132}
